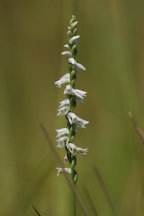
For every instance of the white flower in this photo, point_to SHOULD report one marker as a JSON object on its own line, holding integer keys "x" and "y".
{"x": 66, "y": 46}
{"x": 73, "y": 119}
{"x": 74, "y": 38}
{"x": 72, "y": 61}
{"x": 74, "y": 149}
{"x": 81, "y": 123}
{"x": 63, "y": 170}
{"x": 66, "y": 53}
{"x": 68, "y": 90}
{"x": 64, "y": 102}
{"x": 62, "y": 80}
{"x": 63, "y": 111}
{"x": 75, "y": 64}
{"x": 78, "y": 93}
{"x": 63, "y": 131}
{"x": 62, "y": 141}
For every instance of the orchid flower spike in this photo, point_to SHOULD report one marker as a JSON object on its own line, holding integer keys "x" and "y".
{"x": 66, "y": 136}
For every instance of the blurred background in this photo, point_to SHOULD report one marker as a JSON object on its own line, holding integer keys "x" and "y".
{"x": 111, "y": 47}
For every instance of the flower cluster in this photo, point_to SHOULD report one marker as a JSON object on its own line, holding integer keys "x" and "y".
{"x": 66, "y": 107}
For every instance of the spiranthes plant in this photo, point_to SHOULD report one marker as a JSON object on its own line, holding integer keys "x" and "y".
{"x": 66, "y": 136}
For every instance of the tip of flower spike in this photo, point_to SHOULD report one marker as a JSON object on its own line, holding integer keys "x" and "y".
{"x": 73, "y": 16}
{"x": 74, "y": 24}
{"x": 73, "y": 19}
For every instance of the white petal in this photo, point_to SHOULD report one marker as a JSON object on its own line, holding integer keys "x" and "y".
{"x": 63, "y": 110}
{"x": 74, "y": 24}
{"x": 66, "y": 53}
{"x": 62, "y": 131}
{"x": 64, "y": 102}
{"x": 74, "y": 149}
{"x": 62, "y": 80}
{"x": 79, "y": 93}
{"x": 82, "y": 123}
{"x": 62, "y": 141}
{"x": 75, "y": 64}
{"x": 63, "y": 170}
{"x": 66, "y": 46}
{"x": 67, "y": 170}
{"x": 82, "y": 151}
{"x": 72, "y": 118}
{"x": 80, "y": 66}
{"x": 74, "y": 38}
{"x": 59, "y": 170}
{"x": 68, "y": 90}
{"x": 72, "y": 61}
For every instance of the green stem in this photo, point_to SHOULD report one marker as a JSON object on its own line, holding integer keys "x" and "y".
{"x": 74, "y": 179}
{"x": 74, "y": 205}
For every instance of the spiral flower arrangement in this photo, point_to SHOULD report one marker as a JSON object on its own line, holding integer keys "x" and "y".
{"x": 66, "y": 108}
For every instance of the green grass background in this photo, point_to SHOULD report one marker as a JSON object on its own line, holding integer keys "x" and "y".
{"x": 111, "y": 47}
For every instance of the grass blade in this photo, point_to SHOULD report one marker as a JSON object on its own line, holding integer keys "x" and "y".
{"x": 107, "y": 195}
{"x": 137, "y": 129}
{"x": 36, "y": 210}
{"x": 91, "y": 203}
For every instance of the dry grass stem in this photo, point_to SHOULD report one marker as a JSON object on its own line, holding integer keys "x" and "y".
{"x": 107, "y": 195}
{"x": 91, "y": 203}
{"x": 138, "y": 130}
{"x": 36, "y": 210}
